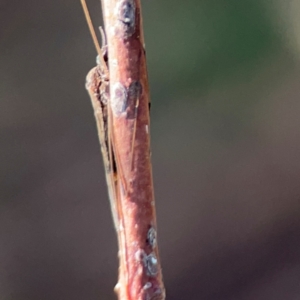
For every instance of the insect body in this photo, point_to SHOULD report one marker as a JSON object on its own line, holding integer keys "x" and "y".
{"x": 97, "y": 84}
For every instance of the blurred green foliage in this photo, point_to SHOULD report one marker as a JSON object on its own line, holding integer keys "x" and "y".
{"x": 210, "y": 43}
{"x": 215, "y": 45}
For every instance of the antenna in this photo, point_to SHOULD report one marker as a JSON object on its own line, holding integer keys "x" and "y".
{"x": 93, "y": 34}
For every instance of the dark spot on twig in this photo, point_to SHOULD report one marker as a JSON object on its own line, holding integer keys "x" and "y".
{"x": 118, "y": 99}
{"x": 151, "y": 237}
{"x": 126, "y": 18}
{"x": 151, "y": 265}
{"x": 134, "y": 93}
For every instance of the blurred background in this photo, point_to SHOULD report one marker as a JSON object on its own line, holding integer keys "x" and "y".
{"x": 224, "y": 79}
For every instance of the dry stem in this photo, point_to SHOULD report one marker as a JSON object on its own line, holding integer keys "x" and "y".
{"x": 124, "y": 133}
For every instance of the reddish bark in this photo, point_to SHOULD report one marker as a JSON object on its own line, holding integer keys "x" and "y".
{"x": 129, "y": 168}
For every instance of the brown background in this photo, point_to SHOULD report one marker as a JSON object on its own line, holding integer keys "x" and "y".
{"x": 224, "y": 79}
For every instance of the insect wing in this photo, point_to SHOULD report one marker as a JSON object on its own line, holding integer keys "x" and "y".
{"x": 93, "y": 85}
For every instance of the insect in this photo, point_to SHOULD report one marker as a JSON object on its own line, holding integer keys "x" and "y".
{"x": 97, "y": 85}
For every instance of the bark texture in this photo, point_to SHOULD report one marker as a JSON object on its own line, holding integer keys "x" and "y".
{"x": 140, "y": 276}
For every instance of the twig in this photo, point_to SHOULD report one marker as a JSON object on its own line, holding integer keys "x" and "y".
{"x": 121, "y": 106}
